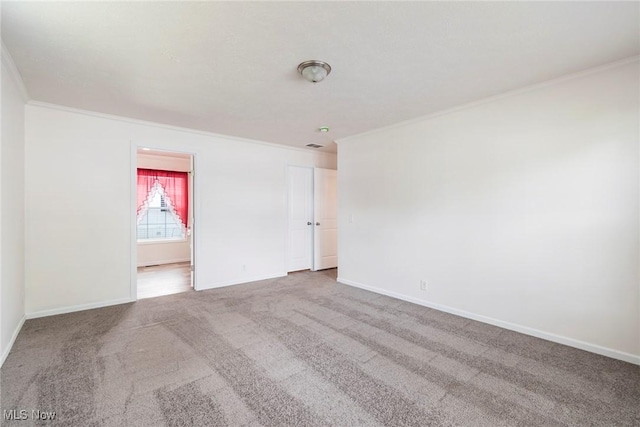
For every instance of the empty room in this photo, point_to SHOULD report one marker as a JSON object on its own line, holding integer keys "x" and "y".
{"x": 324, "y": 213}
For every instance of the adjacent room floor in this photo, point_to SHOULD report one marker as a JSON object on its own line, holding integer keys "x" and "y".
{"x": 303, "y": 350}
{"x": 166, "y": 279}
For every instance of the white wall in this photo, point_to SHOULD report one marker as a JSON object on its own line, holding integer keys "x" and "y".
{"x": 75, "y": 162}
{"x": 12, "y": 304}
{"x": 522, "y": 211}
{"x": 166, "y": 252}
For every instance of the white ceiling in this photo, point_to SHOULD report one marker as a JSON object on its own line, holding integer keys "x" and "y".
{"x": 230, "y": 67}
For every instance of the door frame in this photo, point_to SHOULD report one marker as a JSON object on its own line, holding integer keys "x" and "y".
{"x": 195, "y": 196}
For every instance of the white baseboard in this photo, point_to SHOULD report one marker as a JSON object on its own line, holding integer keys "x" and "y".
{"x": 593, "y": 348}
{"x": 241, "y": 281}
{"x": 164, "y": 261}
{"x": 7, "y": 350}
{"x": 74, "y": 308}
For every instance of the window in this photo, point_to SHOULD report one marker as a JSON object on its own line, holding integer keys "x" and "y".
{"x": 162, "y": 205}
{"x": 158, "y": 221}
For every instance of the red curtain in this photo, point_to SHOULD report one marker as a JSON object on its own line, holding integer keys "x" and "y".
{"x": 175, "y": 186}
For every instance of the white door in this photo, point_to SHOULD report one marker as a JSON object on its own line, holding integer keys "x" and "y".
{"x": 191, "y": 226}
{"x": 326, "y": 219}
{"x": 300, "y": 183}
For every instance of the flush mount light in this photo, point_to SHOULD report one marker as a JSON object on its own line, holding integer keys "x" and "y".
{"x": 323, "y": 129}
{"x": 314, "y": 145}
{"x": 314, "y": 71}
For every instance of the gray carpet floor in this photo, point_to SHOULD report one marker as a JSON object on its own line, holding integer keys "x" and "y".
{"x": 303, "y": 351}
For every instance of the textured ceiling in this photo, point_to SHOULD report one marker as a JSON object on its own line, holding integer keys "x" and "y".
{"x": 230, "y": 67}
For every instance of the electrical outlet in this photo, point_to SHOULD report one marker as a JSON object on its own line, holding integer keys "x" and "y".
{"x": 423, "y": 285}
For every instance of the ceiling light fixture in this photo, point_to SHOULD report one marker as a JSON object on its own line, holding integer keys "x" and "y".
{"x": 314, "y": 71}
{"x": 323, "y": 129}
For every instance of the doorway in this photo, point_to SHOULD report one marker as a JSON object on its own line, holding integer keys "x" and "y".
{"x": 312, "y": 219}
{"x": 164, "y": 223}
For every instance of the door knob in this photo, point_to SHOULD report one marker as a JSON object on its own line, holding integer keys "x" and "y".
{"x": 317, "y": 223}
{"x": 308, "y": 223}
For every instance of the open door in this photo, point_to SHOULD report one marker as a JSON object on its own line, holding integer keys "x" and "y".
{"x": 162, "y": 219}
{"x": 191, "y": 228}
{"x": 325, "y": 254}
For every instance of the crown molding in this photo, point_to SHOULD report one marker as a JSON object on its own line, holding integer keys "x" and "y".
{"x": 170, "y": 127}
{"x": 7, "y": 60}
{"x": 504, "y": 95}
